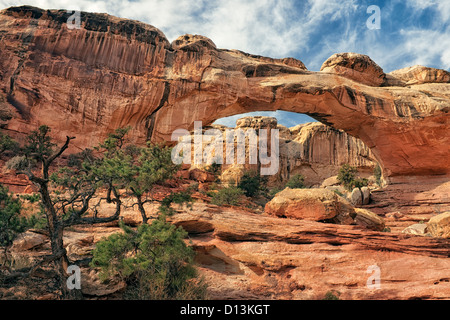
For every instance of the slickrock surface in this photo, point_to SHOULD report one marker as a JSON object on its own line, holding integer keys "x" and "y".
{"x": 243, "y": 255}
{"x": 255, "y": 256}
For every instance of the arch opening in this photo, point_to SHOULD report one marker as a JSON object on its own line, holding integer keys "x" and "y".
{"x": 306, "y": 147}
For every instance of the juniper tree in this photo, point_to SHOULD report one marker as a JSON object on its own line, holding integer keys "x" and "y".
{"x": 154, "y": 261}
{"x": 61, "y": 211}
{"x": 136, "y": 169}
{"x": 6, "y": 143}
{"x": 153, "y": 166}
{"x": 347, "y": 176}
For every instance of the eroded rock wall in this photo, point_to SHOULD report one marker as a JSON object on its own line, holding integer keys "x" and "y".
{"x": 115, "y": 72}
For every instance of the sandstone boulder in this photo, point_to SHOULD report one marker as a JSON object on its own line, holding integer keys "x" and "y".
{"x": 357, "y": 67}
{"x": 78, "y": 245}
{"x": 418, "y": 229}
{"x": 439, "y": 226}
{"x": 369, "y": 220}
{"x": 308, "y": 204}
{"x": 360, "y": 197}
{"x": 27, "y": 241}
{"x": 330, "y": 182}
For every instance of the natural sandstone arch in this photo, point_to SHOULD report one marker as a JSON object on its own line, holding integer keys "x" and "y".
{"x": 115, "y": 72}
{"x": 405, "y": 128}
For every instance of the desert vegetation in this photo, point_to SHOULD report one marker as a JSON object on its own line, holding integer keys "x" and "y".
{"x": 153, "y": 259}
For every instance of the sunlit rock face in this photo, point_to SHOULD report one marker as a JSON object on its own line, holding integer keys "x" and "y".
{"x": 115, "y": 72}
{"x": 314, "y": 150}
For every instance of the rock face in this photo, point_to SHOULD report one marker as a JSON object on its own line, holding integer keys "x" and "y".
{"x": 114, "y": 72}
{"x": 313, "y": 150}
{"x": 421, "y": 74}
{"x": 411, "y": 200}
{"x": 318, "y": 151}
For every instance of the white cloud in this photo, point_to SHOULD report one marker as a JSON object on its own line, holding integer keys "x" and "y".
{"x": 428, "y": 46}
{"x": 266, "y": 27}
{"x": 442, "y": 7}
{"x": 281, "y": 28}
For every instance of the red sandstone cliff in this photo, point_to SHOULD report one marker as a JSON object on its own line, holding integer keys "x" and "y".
{"x": 115, "y": 72}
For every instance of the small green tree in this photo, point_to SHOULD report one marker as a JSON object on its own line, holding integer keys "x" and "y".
{"x": 251, "y": 184}
{"x": 296, "y": 182}
{"x": 6, "y": 143}
{"x": 347, "y": 176}
{"x": 11, "y": 224}
{"x": 136, "y": 169}
{"x": 377, "y": 172}
{"x": 230, "y": 195}
{"x": 63, "y": 209}
{"x": 154, "y": 261}
{"x": 180, "y": 198}
{"x": 153, "y": 166}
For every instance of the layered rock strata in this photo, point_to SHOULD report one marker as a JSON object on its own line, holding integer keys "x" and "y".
{"x": 314, "y": 150}
{"x": 115, "y": 72}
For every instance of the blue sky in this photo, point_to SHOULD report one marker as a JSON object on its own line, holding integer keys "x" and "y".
{"x": 412, "y": 32}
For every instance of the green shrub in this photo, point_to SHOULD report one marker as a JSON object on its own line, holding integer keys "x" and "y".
{"x": 360, "y": 182}
{"x": 154, "y": 261}
{"x": 214, "y": 168}
{"x": 347, "y": 177}
{"x": 252, "y": 184}
{"x": 377, "y": 174}
{"x": 296, "y": 182}
{"x": 35, "y": 197}
{"x": 271, "y": 194}
{"x": 330, "y": 296}
{"x": 6, "y": 143}
{"x": 229, "y": 195}
{"x": 11, "y": 224}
